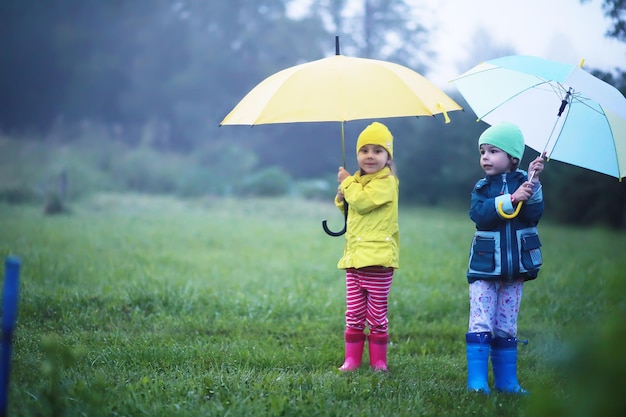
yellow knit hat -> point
(376, 134)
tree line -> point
(165, 72)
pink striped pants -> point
(367, 295)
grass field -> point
(150, 306)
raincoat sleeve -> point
(340, 205)
(365, 198)
(482, 210)
(532, 210)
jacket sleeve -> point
(340, 205)
(376, 193)
(532, 211)
(483, 210)
(484, 213)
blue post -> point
(9, 315)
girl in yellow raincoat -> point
(372, 245)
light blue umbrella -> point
(561, 109)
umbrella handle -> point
(512, 215)
(345, 224)
(519, 205)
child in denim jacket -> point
(505, 252)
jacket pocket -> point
(483, 254)
(373, 251)
(531, 251)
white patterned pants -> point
(494, 306)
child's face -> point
(372, 158)
(494, 160)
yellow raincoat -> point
(372, 235)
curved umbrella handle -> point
(330, 232)
(512, 215)
(519, 205)
(345, 224)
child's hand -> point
(342, 175)
(340, 196)
(523, 193)
(537, 166)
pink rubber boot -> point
(355, 339)
(378, 351)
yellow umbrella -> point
(340, 89)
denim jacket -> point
(504, 249)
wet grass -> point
(150, 306)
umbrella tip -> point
(337, 45)
(446, 118)
(581, 63)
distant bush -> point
(316, 189)
(146, 170)
(196, 181)
(55, 204)
(92, 162)
(270, 182)
(22, 171)
(19, 195)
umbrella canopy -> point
(561, 109)
(340, 88)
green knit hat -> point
(376, 134)
(505, 136)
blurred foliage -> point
(175, 65)
(268, 182)
(129, 94)
(616, 11)
(594, 368)
(58, 173)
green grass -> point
(149, 306)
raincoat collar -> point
(365, 178)
(517, 174)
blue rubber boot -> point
(477, 349)
(504, 362)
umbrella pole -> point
(564, 103)
(343, 147)
(345, 203)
